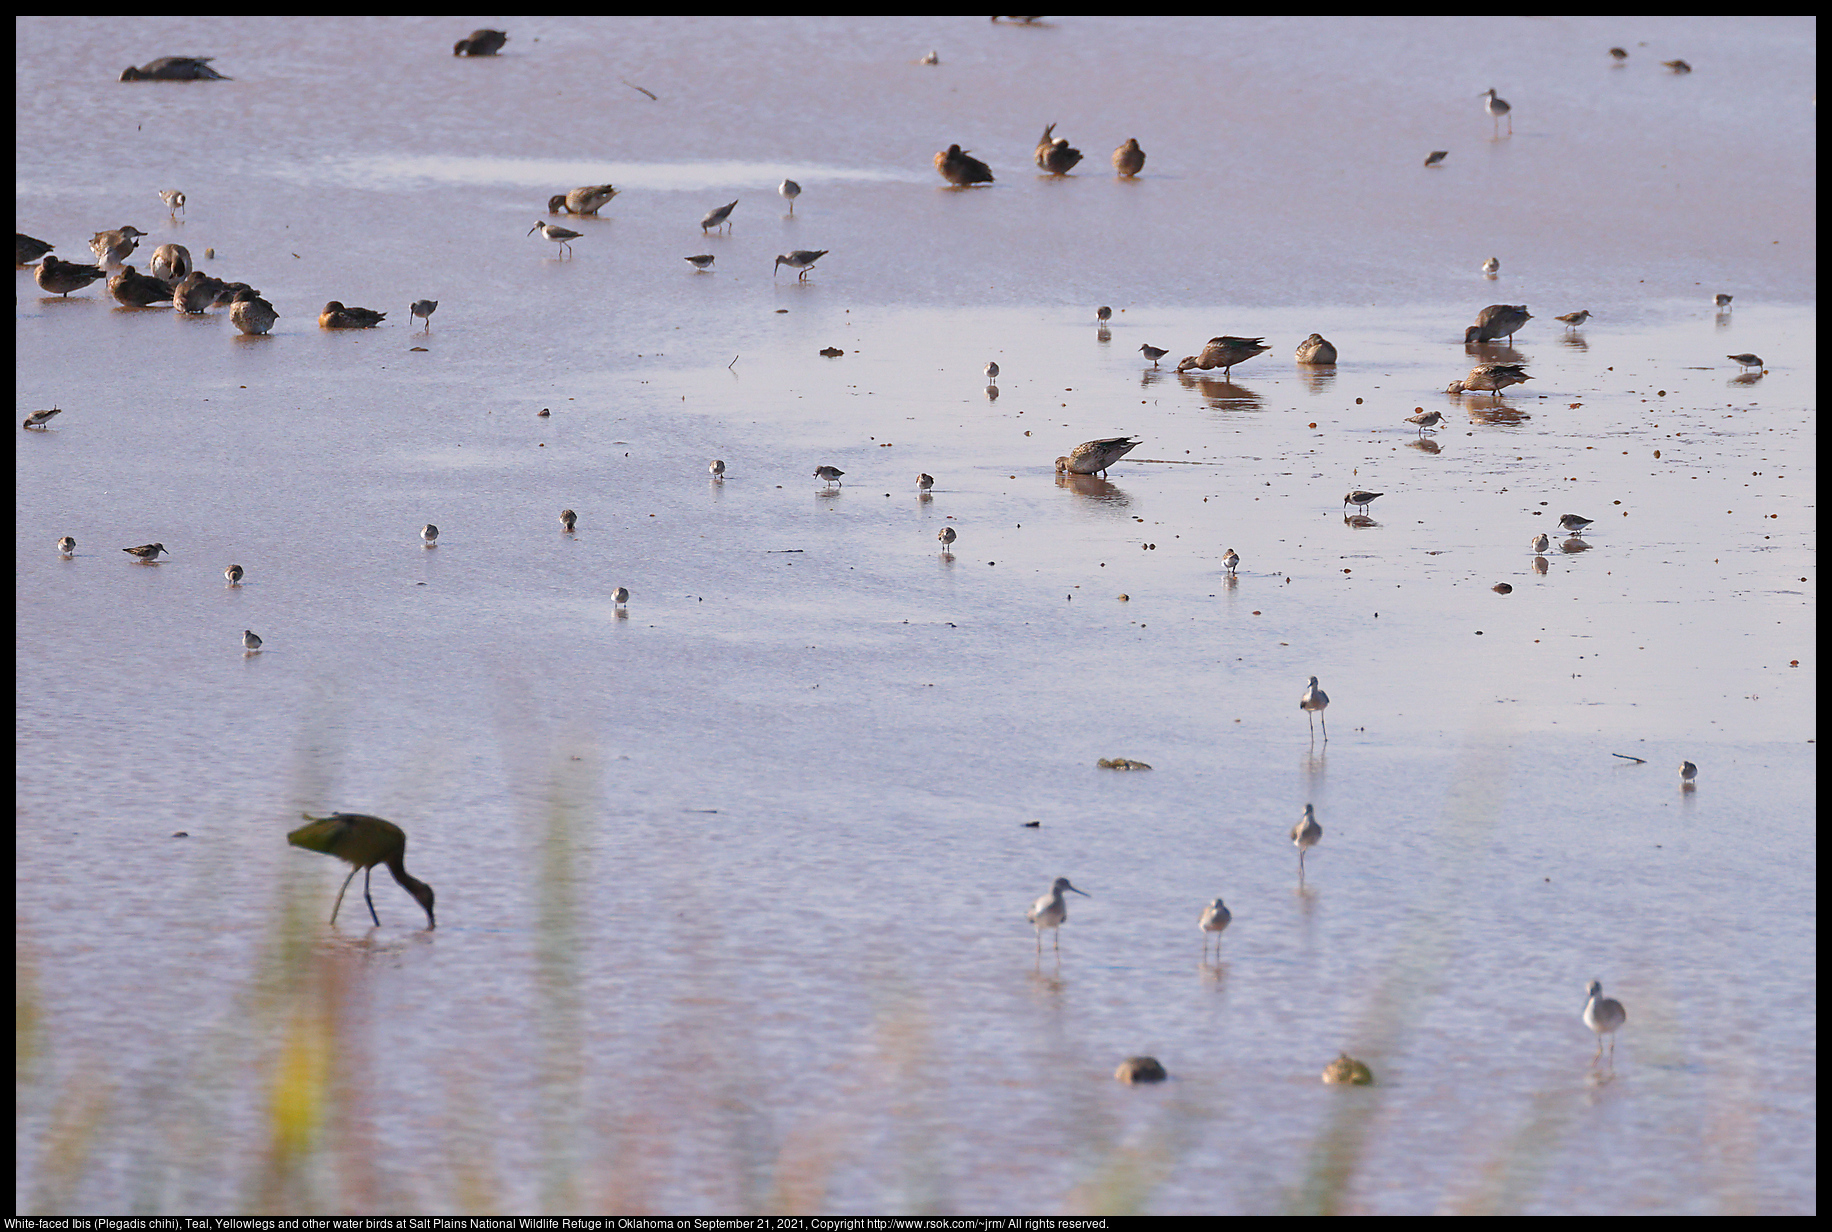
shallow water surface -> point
(731, 881)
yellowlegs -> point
(1316, 349)
(701, 262)
(67, 545)
(1498, 107)
(1361, 500)
(1574, 320)
(1747, 360)
(959, 167)
(27, 250)
(336, 316)
(559, 235)
(1497, 321)
(924, 482)
(1492, 265)
(234, 574)
(829, 474)
(114, 247)
(789, 190)
(1154, 354)
(480, 43)
(1603, 1015)
(1051, 912)
(63, 277)
(716, 468)
(620, 596)
(1054, 154)
(947, 537)
(802, 259)
(1435, 157)
(1427, 421)
(251, 641)
(568, 520)
(424, 309)
(146, 551)
(1094, 457)
(1687, 771)
(1313, 702)
(429, 534)
(587, 200)
(1103, 314)
(1306, 833)
(173, 198)
(992, 371)
(1230, 560)
(175, 68)
(171, 263)
(363, 842)
(1214, 918)
(720, 217)
(1489, 378)
(38, 419)
(1129, 159)
(1541, 543)
(251, 314)
(1575, 524)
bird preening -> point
(362, 842)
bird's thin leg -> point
(340, 894)
(367, 899)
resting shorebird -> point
(1054, 154)
(1498, 107)
(1687, 770)
(716, 468)
(720, 217)
(336, 316)
(947, 537)
(137, 290)
(1154, 354)
(429, 534)
(559, 235)
(1723, 302)
(1617, 54)
(568, 520)
(63, 277)
(802, 259)
(1103, 314)
(1316, 349)
(1492, 265)
(992, 371)
(789, 190)
(1572, 320)
(197, 291)
(924, 482)
(114, 247)
(175, 68)
(1094, 457)
(1497, 321)
(38, 419)
(620, 596)
(171, 264)
(1540, 543)
(1489, 378)
(960, 168)
(1678, 66)
(146, 551)
(424, 309)
(67, 545)
(1129, 159)
(251, 314)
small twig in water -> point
(728, 366)
(1639, 761)
(639, 89)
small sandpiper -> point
(716, 468)
(1573, 320)
(559, 235)
(789, 190)
(947, 537)
(1306, 833)
(1212, 921)
(146, 551)
(1603, 1015)
(829, 474)
(1687, 771)
(701, 262)
(429, 534)
(961, 169)
(802, 259)
(1498, 107)
(1723, 302)
(1154, 354)
(1361, 500)
(251, 640)
(1541, 543)
(1094, 457)
(1316, 349)
(720, 217)
(173, 198)
(568, 520)
(1427, 421)
(424, 309)
(1489, 378)
(620, 596)
(1492, 266)
(1574, 524)
(924, 482)
(1129, 159)
(38, 419)
(234, 574)
(1230, 560)
(992, 371)
(1747, 360)
(1103, 314)
(67, 545)
(1435, 157)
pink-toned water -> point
(781, 945)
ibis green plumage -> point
(363, 842)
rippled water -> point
(731, 883)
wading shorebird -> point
(1747, 360)
(1094, 457)
(1129, 159)
(620, 597)
(336, 316)
(1540, 543)
(1618, 54)
(480, 43)
(67, 545)
(1498, 107)
(1492, 265)
(960, 168)
(1051, 912)
(1603, 1015)
(1054, 154)
(1575, 524)
(568, 520)
(789, 190)
(1154, 354)
(1305, 835)
(234, 574)
(1316, 349)
(720, 217)
(802, 259)
(1497, 321)
(1102, 315)
(829, 474)
(63, 277)
(1687, 771)
(1723, 302)
(1427, 421)
(38, 419)
(175, 68)
(363, 842)
(559, 235)
(251, 641)
(251, 314)
(1230, 560)
(1361, 500)
(716, 468)
(924, 482)
(992, 371)
(947, 537)
(1212, 921)
(1489, 378)
(1573, 320)
(1313, 702)
(424, 309)
(196, 292)
(173, 198)
(146, 551)
(429, 534)
(701, 262)
(1435, 157)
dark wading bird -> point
(363, 842)
(1496, 321)
(175, 68)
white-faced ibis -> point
(363, 842)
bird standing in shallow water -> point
(1489, 378)
(720, 217)
(789, 190)
(1492, 265)
(1226, 351)
(802, 259)
(1747, 359)
(146, 551)
(1051, 912)
(1129, 159)
(1678, 66)
(1572, 320)
(1687, 771)
(62, 277)
(568, 520)
(27, 250)
(363, 842)
(67, 546)
(424, 309)
(1214, 919)
(114, 247)
(1498, 107)
(924, 482)
(1230, 560)
(716, 468)
(336, 316)
(1103, 314)
(1054, 154)
(1603, 1015)
(619, 597)
(1723, 302)
(1430, 419)
(1361, 500)
(173, 198)
(947, 537)
(702, 262)
(1316, 349)
(559, 235)
(992, 371)
(1497, 321)
(1540, 543)
(234, 574)
(251, 314)
(829, 474)
(1094, 457)
(429, 534)
(960, 168)
(586, 201)
(1154, 354)
(251, 641)
(1313, 702)
(38, 419)
(480, 43)
(1306, 833)
(1575, 524)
